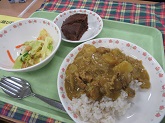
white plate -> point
(26, 30)
(95, 24)
(149, 106)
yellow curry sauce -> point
(99, 72)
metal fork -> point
(20, 88)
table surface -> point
(15, 9)
(25, 10)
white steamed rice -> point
(105, 111)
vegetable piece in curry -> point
(99, 72)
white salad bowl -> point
(95, 24)
(20, 32)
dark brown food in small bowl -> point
(75, 26)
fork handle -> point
(51, 102)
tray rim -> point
(39, 111)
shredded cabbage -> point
(35, 51)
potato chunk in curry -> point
(99, 72)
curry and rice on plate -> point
(101, 81)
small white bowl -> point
(95, 24)
(22, 31)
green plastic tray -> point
(44, 81)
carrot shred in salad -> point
(18, 46)
(10, 57)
